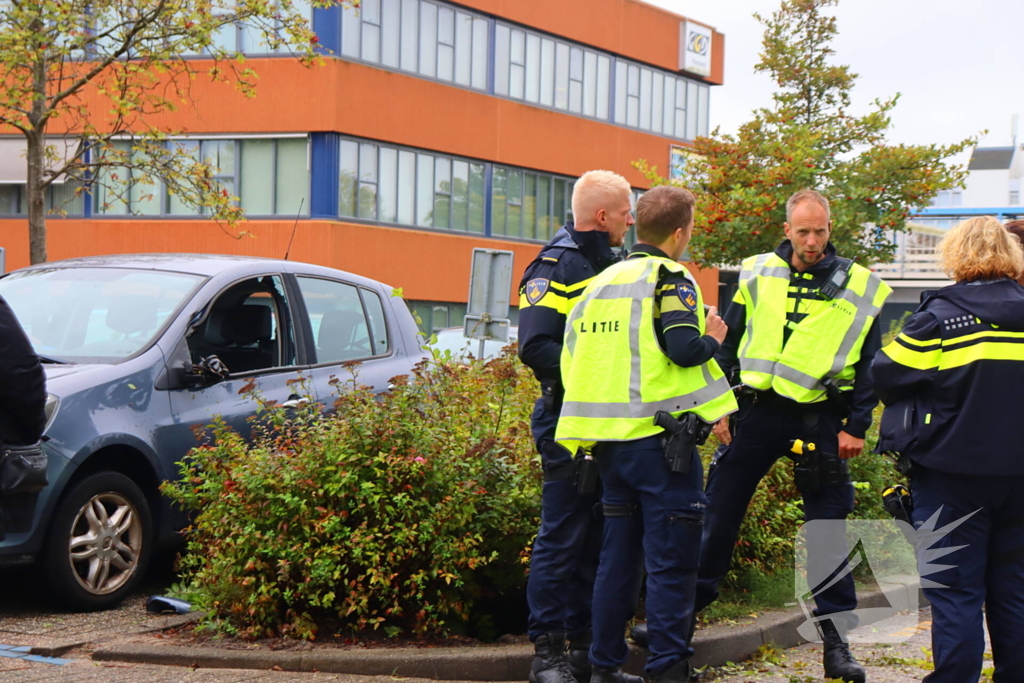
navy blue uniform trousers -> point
(663, 532)
(764, 430)
(987, 571)
(560, 587)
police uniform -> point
(785, 339)
(22, 409)
(619, 369)
(957, 369)
(564, 559)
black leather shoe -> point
(680, 672)
(839, 662)
(638, 634)
(601, 675)
(579, 657)
(549, 663)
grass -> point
(760, 592)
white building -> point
(994, 187)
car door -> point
(249, 328)
(351, 334)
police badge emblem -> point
(536, 289)
(688, 295)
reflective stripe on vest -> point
(825, 344)
(615, 374)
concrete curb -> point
(714, 646)
(162, 624)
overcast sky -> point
(959, 65)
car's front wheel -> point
(99, 543)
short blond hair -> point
(981, 249)
(593, 191)
(806, 195)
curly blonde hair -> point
(981, 249)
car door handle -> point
(295, 402)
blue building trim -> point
(999, 212)
(87, 195)
(324, 174)
(327, 26)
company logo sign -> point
(889, 554)
(695, 44)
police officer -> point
(638, 342)
(803, 330)
(22, 394)
(958, 366)
(564, 558)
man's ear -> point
(601, 216)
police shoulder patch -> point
(536, 289)
(688, 295)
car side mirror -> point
(209, 370)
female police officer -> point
(956, 368)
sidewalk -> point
(714, 646)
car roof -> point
(207, 265)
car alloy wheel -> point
(99, 543)
(106, 543)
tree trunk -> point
(35, 193)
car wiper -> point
(49, 359)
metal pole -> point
(487, 297)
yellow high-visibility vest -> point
(825, 344)
(616, 375)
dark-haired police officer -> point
(640, 382)
(22, 400)
(803, 331)
(564, 559)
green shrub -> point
(397, 513)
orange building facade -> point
(431, 129)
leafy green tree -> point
(809, 138)
(80, 75)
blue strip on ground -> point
(22, 652)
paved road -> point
(24, 623)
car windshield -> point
(94, 315)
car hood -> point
(55, 371)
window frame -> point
(312, 360)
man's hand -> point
(714, 326)
(849, 446)
(721, 431)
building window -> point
(427, 38)
(1014, 197)
(437, 315)
(948, 198)
(250, 39)
(552, 73)
(269, 176)
(61, 199)
(660, 102)
(406, 187)
(529, 205)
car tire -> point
(99, 543)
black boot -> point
(638, 634)
(579, 656)
(602, 675)
(549, 662)
(680, 672)
(839, 662)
